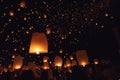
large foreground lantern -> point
(82, 58)
(58, 61)
(39, 43)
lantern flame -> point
(83, 64)
(17, 67)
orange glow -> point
(13, 56)
(17, 67)
(45, 16)
(11, 13)
(82, 57)
(48, 30)
(18, 62)
(38, 44)
(61, 51)
(45, 59)
(96, 61)
(68, 64)
(106, 14)
(71, 58)
(58, 61)
(22, 4)
(83, 64)
(46, 65)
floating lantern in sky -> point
(68, 63)
(39, 43)
(22, 4)
(48, 30)
(45, 59)
(46, 65)
(96, 61)
(11, 13)
(18, 62)
(61, 51)
(58, 61)
(82, 58)
(13, 56)
(71, 58)
(63, 36)
(106, 14)
(45, 16)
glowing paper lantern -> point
(11, 13)
(46, 65)
(39, 43)
(61, 51)
(82, 58)
(45, 16)
(71, 58)
(96, 61)
(22, 4)
(63, 36)
(18, 62)
(58, 61)
(45, 59)
(68, 63)
(48, 30)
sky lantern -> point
(39, 43)
(71, 58)
(22, 4)
(68, 63)
(58, 61)
(96, 61)
(82, 58)
(45, 59)
(48, 30)
(18, 62)
(46, 65)
(61, 51)
(11, 13)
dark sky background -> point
(74, 25)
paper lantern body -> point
(39, 43)
(48, 30)
(46, 65)
(58, 61)
(18, 62)
(96, 61)
(68, 63)
(22, 4)
(74, 63)
(82, 57)
(45, 59)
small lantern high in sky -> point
(82, 58)
(39, 43)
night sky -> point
(73, 25)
